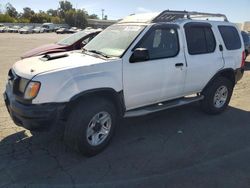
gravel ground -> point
(181, 147)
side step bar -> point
(162, 106)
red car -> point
(73, 42)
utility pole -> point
(103, 14)
(75, 15)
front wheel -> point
(217, 96)
(91, 126)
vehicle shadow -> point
(247, 66)
(163, 145)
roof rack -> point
(170, 15)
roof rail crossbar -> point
(170, 15)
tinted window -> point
(200, 40)
(230, 37)
(161, 43)
(210, 40)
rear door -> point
(233, 46)
(203, 54)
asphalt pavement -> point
(177, 148)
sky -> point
(236, 10)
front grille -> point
(17, 85)
(14, 80)
(11, 75)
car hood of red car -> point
(43, 50)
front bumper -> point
(33, 117)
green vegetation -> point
(6, 18)
(66, 13)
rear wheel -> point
(91, 126)
(217, 96)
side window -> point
(230, 37)
(200, 40)
(86, 41)
(161, 43)
(211, 44)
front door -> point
(162, 76)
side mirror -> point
(139, 55)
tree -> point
(23, 20)
(93, 16)
(27, 13)
(11, 11)
(76, 18)
(64, 14)
(81, 19)
(5, 18)
(64, 6)
(56, 20)
(52, 12)
(40, 17)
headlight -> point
(22, 84)
(32, 90)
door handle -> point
(221, 47)
(179, 65)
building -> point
(239, 25)
(246, 26)
(95, 23)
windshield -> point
(73, 38)
(45, 26)
(114, 40)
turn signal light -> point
(32, 90)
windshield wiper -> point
(84, 49)
(99, 53)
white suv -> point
(143, 64)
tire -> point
(214, 103)
(79, 124)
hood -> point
(30, 67)
(41, 50)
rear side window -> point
(230, 37)
(200, 40)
